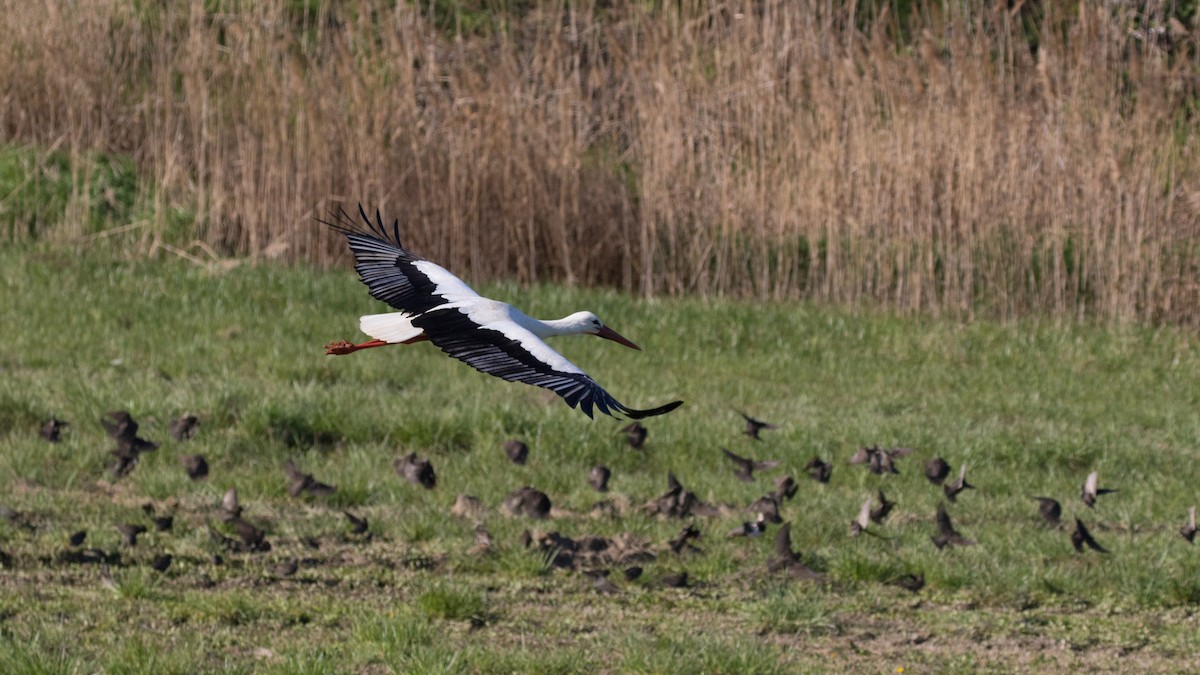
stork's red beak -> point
(610, 334)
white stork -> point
(490, 336)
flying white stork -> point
(490, 336)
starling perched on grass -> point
(751, 528)
(185, 427)
(52, 429)
(516, 450)
(286, 568)
(358, 524)
(129, 533)
(161, 562)
(1188, 531)
(230, 508)
(76, 539)
(598, 478)
(785, 488)
(416, 470)
(195, 466)
(936, 470)
(527, 501)
(683, 539)
(635, 434)
(299, 482)
(745, 467)
(910, 582)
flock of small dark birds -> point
(592, 555)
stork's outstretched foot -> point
(345, 347)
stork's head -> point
(590, 323)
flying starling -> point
(1080, 537)
(885, 507)
(784, 559)
(683, 539)
(1089, 492)
(953, 488)
(862, 520)
(936, 470)
(750, 528)
(753, 426)
(785, 488)
(516, 450)
(1051, 510)
(819, 470)
(947, 535)
(745, 467)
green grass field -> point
(1030, 408)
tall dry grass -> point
(772, 149)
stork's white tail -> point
(393, 327)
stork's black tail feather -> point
(643, 414)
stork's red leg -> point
(344, 347)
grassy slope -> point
(1031, 409)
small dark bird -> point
(1188, 531)
(683, 539)
(936, 470)
(885, 507)
(358, 525)
(230, 508)
(679, 580)
(1051, 510)
(76, 539)
(516, 450)
(130, 532)
(252, 538)
(786, 559)
(298, 482)
(766, 506)
(947, 535)
(862, 520)
(286, 568)
(527, 501)
(677, 502)
(745, 467)
(123, 429)
(603, 584)
(953, 488)
(467, 506)
(163, 523)
(879, 460)
(195, 466)
(785, 488)
(752, 528)
(598, 478)
(1080, 537)
(483, 542)
(416, 470)
(185, 427)
(632, 573)
(753, 426)
(51, 430)
(1089, 492)
(635, 433)
(162, 562)
(819, 470)
(910, 582)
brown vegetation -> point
(1002, 161)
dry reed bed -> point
(777, 153)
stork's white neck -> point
(575, 324)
